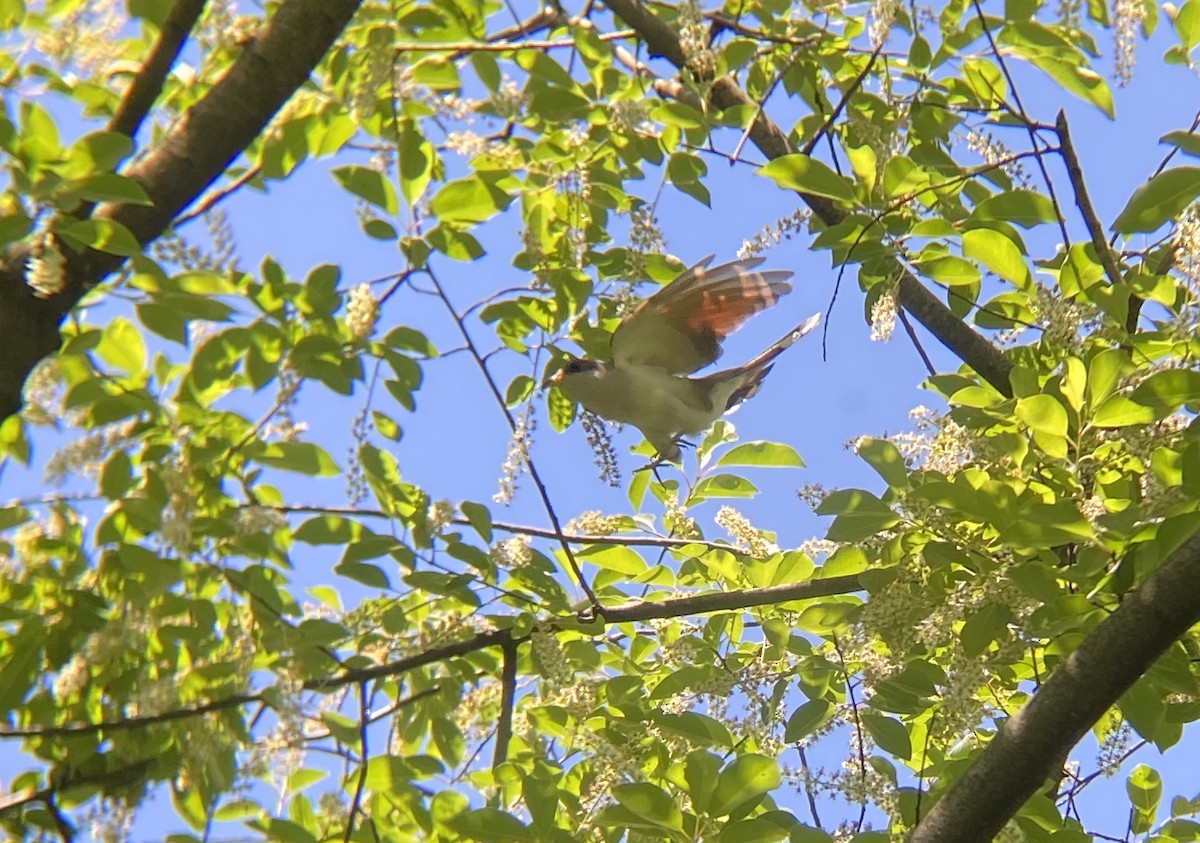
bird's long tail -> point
(749, 376)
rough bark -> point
(1029, 747)
(193, 154)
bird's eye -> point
(575, 367)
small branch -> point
(837, 111)
(715, 601)
(508, 699)
(533, 472)
(858, 733)
(912, 335)
(1075, 173)
(146, 86)
(808, 788)
(211, 198)
(467, 47)
(128, 723)
(760, 35)
(1025, 119)
(27, 796)
(364, 721)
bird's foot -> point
(668, 457)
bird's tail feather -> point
(749, 376)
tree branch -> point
(1029, 747)
(508, 701)
(1084, 202)
(715, 601)
(972, 348)
(192, 154)
(146, 86)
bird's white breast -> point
(648, 398)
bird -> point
(670, 335)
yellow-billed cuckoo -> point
(672, 334)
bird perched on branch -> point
(673, 333)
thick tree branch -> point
(1030, 746)
(196, 150)
(143, 91)
(972, 348)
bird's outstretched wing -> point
(680, 328)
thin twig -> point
(533, 472)
(468, 47)
(808, 789)
(837, 111)
(364, 720)
(1075, 174)
(206, 203)
(858, 732)
(1024, 118)
(912, 335)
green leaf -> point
(747, 777)
(1168, 390)
(1159, 200)
(798, 171)
(559, 104)
(121, 346)
(696, 727)
(470, 200)
(369, 185)
(1188, 142)
(859, 515)
(889, 734)
(415, 164)
(886, 459)
(488, 824)
(950, 270)
(1083, 82)
(1022, 207)
(651, 803)
(615, 557)
(300, 457)
(722, 486)
(1048, 420)
(700, 772)
(21, 664)
(480, 518)
(1119, 411)
(519, 389)
(103, 235)
(998, 253)
(754, 830)
(1105, 371)
(1144, 788)
(110, 187)
(1187, 24)
(763, 454)
(807, 719)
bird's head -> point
(568, 369)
